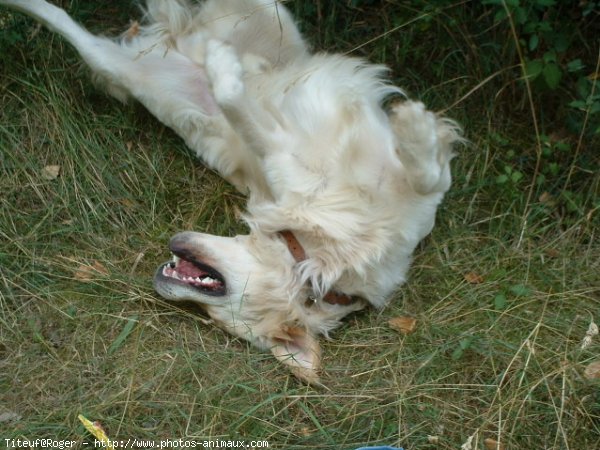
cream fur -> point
(305, 137)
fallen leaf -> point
(305, 431)
(473, 278)
(592, 371)
(50, 172)
(403, 324)
(85, 272)
(492, 444)
(127, 203)
(547, 199)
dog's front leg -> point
(226, 74)
(424, 146)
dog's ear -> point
(299, 350)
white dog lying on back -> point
(339, 191)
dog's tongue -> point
(187, 269)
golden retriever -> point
(339, 190)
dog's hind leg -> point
(424, 146)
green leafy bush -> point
(551, 36)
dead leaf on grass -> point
(50, 172)
(127, 203)
(473, 278)
(404, 324)
(306, 432)
(547, 199)
(87, 272)
(592, 371)
(493, 444)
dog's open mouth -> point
(195, 274)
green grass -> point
(500, 359)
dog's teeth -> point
(170, 270)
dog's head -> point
(249, 286)
(255, 287)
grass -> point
(82, 332)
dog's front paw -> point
(416, 130)
(224, 70)
(424, 145)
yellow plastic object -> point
(97, 431)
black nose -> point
(182, 244)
